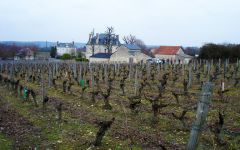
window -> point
(132, 53)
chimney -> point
(97, 38)
(90, 38)
(117, 39)
(73, 43)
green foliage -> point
(66, 57)
(4, 142)
(82, 59)
(53, 52)
(79, 54)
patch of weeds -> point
(5, 143)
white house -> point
(25, 54)
(174, 54)
(66, 48)
(129, 53)
(97, 51)
(123, 54)
(97, 44)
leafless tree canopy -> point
(141, 44)
(92, 44)
(108, 41)
(131, 39)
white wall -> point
(98, 49)
(64, 50)
(179, 56)
(165, 57)
(98, 60)
(141, 57)
(122, 55)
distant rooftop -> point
(167, 50)
(66, 45)
(132, 47)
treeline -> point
(222, 51)
(9, 51)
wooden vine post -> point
(12, 73)
(148, 70)
(202, 111)
(158, 69)
(190, 76)
(225, 69)
(1, 66)
(49, 75)
(42, 84)
(75, 70)
(80, 72)
(136, 81)
(105, 73)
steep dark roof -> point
(103, 38)
(101, 55)
(66, 45)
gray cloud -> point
(165, 22)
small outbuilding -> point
(25, 54)
(123, 54)
(129, 53)
(172, 54)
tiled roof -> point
(167, 50)
(102, 55)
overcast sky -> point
(156, 22)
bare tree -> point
(92, 45)
(108, 40)
(131, 39)
(141, 44)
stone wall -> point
(98, 49)
(121, 55)
(98, 60)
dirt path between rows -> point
(24, 134)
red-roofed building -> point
(174, 54)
